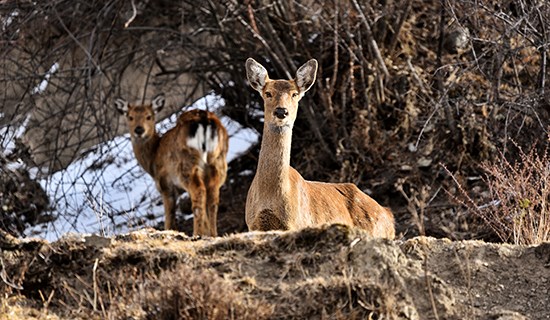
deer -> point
(279, 198)
(189, 157)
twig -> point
(94, 277)
(543, 51)
(264, 43)
(45, 301)
(439, 75)
(4, 276)
(279, 47)
(134, 14)
(336, 52)
(463, 264)
(412, 204)
(402, 18)
(251, 16)
(74, 38)
(429, 285)
(372, 42)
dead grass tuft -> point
(17, 307)
(184, 293)
(518, 210)
(339, 298)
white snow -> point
(9, 134)
(107, 192)
(44, 83)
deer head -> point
(281, 97)
(141, 118)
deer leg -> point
(212, 202)
(215, 175)
(169, 202)
(197, 191)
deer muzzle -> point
(280, 113)
(139, 131)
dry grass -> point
(519, 192)
(521, 211)
(17, 307)
(277, 276)
(343, 297)
(333, 272)
(138, 278)
(183, 293)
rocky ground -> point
(328, 273)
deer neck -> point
(274, 159)
(145, 151)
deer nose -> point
(139, 131)
(280, 113)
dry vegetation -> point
(327, 273)
(519, 211)
(404, 86)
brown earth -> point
(328, 273)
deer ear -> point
(305, 76)
(158, 102)
(256, 74)
(121, 106)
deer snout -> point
(280, 113)
(139, 131)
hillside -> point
(329, 273)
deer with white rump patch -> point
(279, 198)
(189, 157)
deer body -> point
(279, 198)
(189, 157)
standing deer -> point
(279, 198)
(189, 157)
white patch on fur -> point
(205, 141)
(211, 140)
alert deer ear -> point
(158, 102)
(305, 76)
(256, 74)
(121, 106)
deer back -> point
(346, 203)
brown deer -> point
(279, 198)
(189, 157)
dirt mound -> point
(330, 272)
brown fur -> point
(176, 167)
(279, 198)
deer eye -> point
(148, 117)
(268, 94)
(295, 94)
(130, 118)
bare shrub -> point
(22, 200)
(519, 194)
